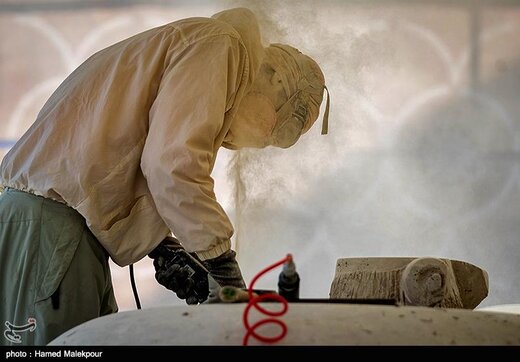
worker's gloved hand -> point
(225, 270)
(180, 271)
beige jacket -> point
(130, 138)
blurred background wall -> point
(422, 155)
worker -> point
(120, 158)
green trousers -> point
(54, 274)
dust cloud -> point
(416, 162)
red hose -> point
(253, 302)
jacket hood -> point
(246, 25)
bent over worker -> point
(120, 158)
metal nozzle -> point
(289, 268)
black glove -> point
(180, 271)
(225, 270)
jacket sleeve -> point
(185, 131)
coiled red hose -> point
(253, 302)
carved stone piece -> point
(429, 282)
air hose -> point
(253, 302)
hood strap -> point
(325, 121)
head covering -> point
(301, 76)
(246, 25)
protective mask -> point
(253, 123)
(291, 122)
